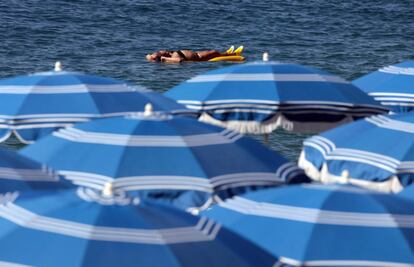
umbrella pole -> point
(266, 138)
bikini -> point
(181, 54)
(195, 57)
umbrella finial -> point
(58, 66)
(265, 56)
(148, 109)
(108, 190)
(345, 174)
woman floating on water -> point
(188, 55)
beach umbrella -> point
(393, 86)
(324, 225)
(83, 227)
(376, 152)
(170, 157)
(262, 96)
(20, 173)
(37, 104)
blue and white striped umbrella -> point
(177, 157)
(35, 105)
(324, 225)
(393, 86)
(262, 96)
(20, 173)
(377, 152)
(81, 227)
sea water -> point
(111, 38)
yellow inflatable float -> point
(234, 55)
(227, 58)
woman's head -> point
(157, 55)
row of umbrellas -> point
(116, 165)
(262, 96)
(250, 98)
(302, 225)
(295, 222)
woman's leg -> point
(207, 55)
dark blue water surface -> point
(111, 37)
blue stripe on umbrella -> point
(259, 97)
(317, 225)
(184, 159)
(376, 152)
(392, 86)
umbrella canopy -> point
(20, 173)
(262, 96)
(393, 86)
(35, 105)
(407, 192)
(324, 225)
(376, 152)
(81, 227)
(152, 151)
